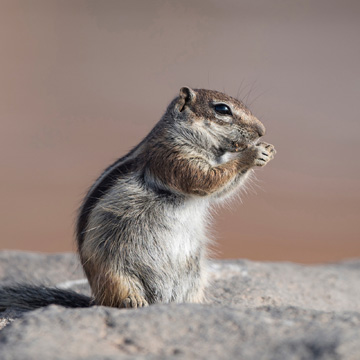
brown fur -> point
(193, 175)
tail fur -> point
(30, 297)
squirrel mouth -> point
(241, 146)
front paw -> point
(265, 153)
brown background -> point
(81, 82)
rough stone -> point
(256, 311)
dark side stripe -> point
(93, 196)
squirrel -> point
(141, 229)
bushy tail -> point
(30, 297)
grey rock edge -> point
(256, 311)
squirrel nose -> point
(260, 129)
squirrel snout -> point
(260, 129)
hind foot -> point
(134, 301)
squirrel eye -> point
(222, 109)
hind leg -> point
(120, 291)
(116, 290)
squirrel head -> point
(219, 116)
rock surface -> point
(256, 311)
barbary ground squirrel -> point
(141, 230)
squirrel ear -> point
(187, 96)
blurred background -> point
(81, 82)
